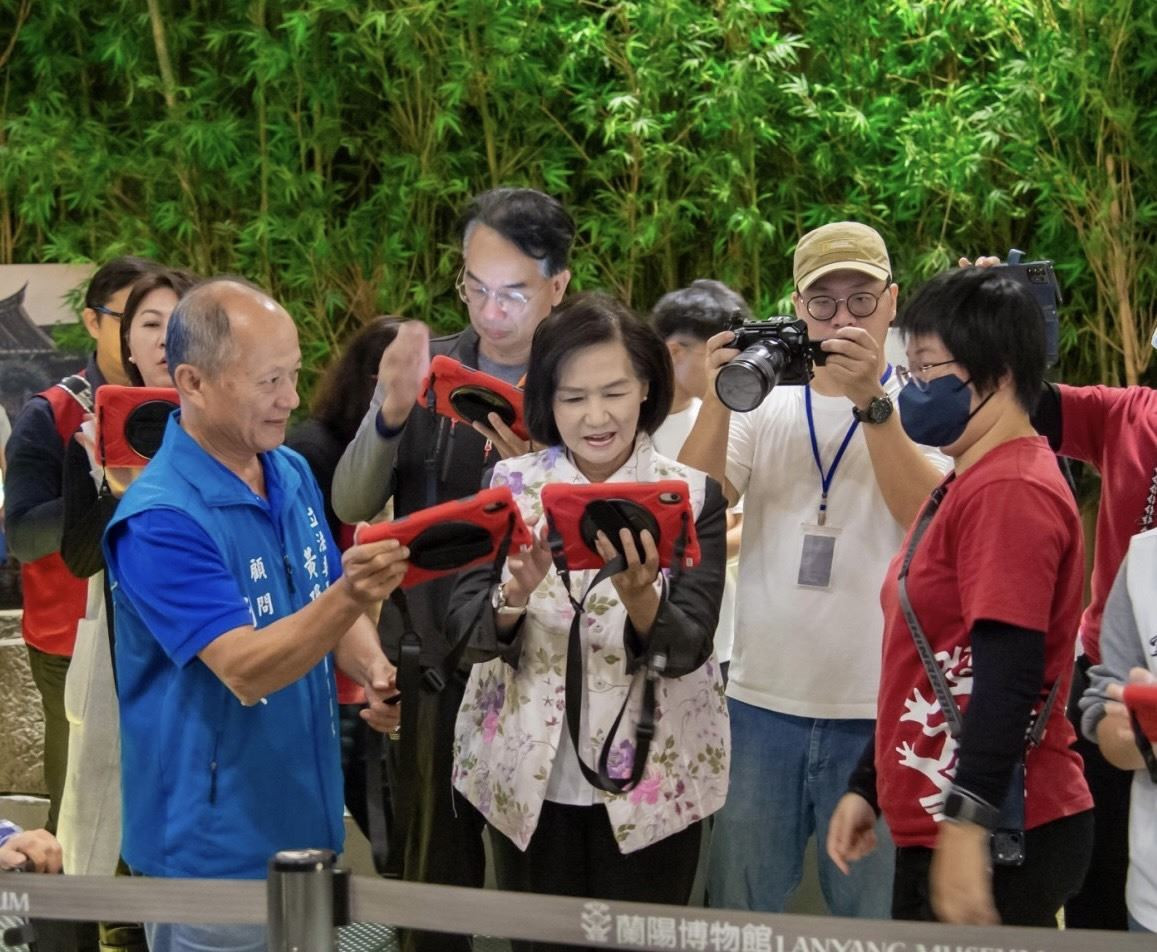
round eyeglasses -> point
(823, 307)
(917, 376)
(475, 294)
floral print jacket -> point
(511, 722)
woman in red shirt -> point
(992, 575)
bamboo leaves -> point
(324, 147)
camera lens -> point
(744, 383)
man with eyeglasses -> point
(515, 248)
(54, 599)
(830, 482)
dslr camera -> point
(775, 351)
(1040, 278)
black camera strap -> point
(388, 843)
(1036, 730)
(576, 670)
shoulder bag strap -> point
(1036, 730)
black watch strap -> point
(965, 807)
(877, 411)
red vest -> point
(54, 598)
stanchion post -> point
(301, 901)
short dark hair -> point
(344, 392)
(583, 320)
(700, 311)
(199, 332)
(990, 323)
(175, 280)
(114, 275)
(534, 222)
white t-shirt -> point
(671, 436)
(800, 650)
(668, 440)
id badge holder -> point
(817, 556)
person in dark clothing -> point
(339, 402)
(86, 511)
(515, 245)
(90, 814)
(34, 509)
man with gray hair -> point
(231, 604)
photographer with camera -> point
(830, 482)
(971, 763)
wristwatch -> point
(877, 411)
(501, 609)
(963, 807)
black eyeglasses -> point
(918, 374)
(101, 309)
(823, 307)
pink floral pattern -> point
(510, 725)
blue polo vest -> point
(211, 787)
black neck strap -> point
(576, 672)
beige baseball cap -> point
(839, 246)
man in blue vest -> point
(231, 604)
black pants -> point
(444, 836)
(49, 673)
(1056, 857)
(1100, 904)
(573, 853)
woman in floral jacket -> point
(599, 382)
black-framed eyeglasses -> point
(918, 375)
(101, 309)
(823, 307)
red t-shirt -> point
(1115, 430)
(1004, 546)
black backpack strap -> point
(439, 676)
(388, 843)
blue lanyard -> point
(826, 478)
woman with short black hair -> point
(981, 607)
(598, 384)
